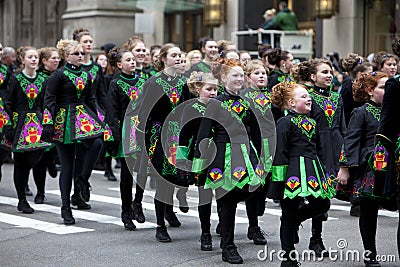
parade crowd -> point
(238, 128)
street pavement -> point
(99, 239)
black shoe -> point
(318, 247)
(28, 192)
(290, 263)
(172, 219)
(126, 217)
(206, 242)
(83, 187)
(372, 262)
(110, 176)
(231, 255)
(257, 235)
(51, 168)
(39, 198)
(138, 212)
(66, 214)
(183, 205)
(218, 230)
(23, 206)
(355, 210)
(162, 234)
(79, 203)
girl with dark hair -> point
(357, 148)
(70, 120)
(124, 91)
(209, 49)
(283, 62)
(327, 111)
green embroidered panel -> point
(132, 91)
(375, 111)
(3, 73)
(239, 107)
(200, 108)
(328, 104)
(174, 93)
(80, 81)
(93, 72)
(204, 67)
(172, 146)
(305, 124)
(261, 100)
(31, 90)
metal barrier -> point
(298, 43)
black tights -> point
(23, 163)
(125, 186)
(292, 216)
(68, 159)
(368, 223)
(228, 203)
(163, 199)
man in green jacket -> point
(286, 19)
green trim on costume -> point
(328, 104)
(279, 173)
(198, 165)
(305, 124)
(236, 105)
(3, 73)
(79, 81)
(375, 111)
(182, 152)
(67, 133)
(267, 160)
(94, 70)
(31, 90)
(226, 182)
(258, 98)
(303, 175)
(15, 119)
(200, 108)
(174, 93)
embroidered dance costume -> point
(327, 111)
(69, 106)
(124, 91)
(277, 76)
(70, 117)
(24, 101)
(298, 173)
(236, 167)
(5, 75)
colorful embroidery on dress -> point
(15, 119)
(305, 124)
(380, 157)
(132, 134)
(239, 172)
(375, 111)
(172, 142)
(313, 183)
(31, 90)
(132, 91)
(292, 183)
(59, 125)
(342, 157)
(397, 161)
(4, 118)
(216, 174)
(200, 108)
(261, 100)
(93, 72)
(155, 132)
(85, 125)
(47, 119)
(327, 104)
(174, 93)
(240, 107)
(107, 136)
(79, 81)
(31, 133)
(3, 73)
(259, 170)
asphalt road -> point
(99, 239)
